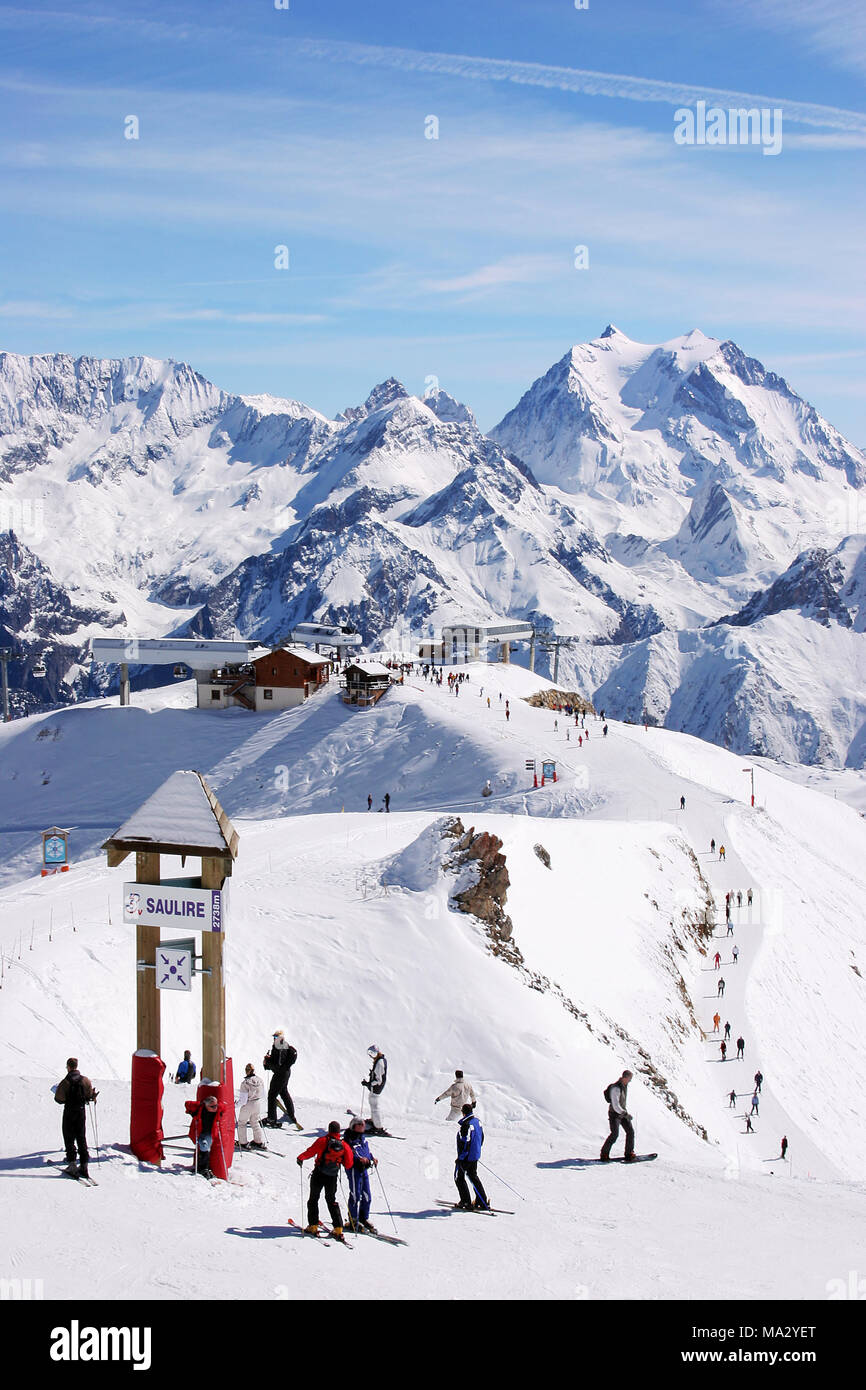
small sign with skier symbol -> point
(173, 968)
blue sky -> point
(453, 257)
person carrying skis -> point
(279, 1060)
(470, 1137)
(331, 1153)
(250, 1100)
(74, 1093)
(616, 1095)
(185, 1069)
(358, 1177)
(204, 1127)
(375, 1084)
(459, 1093)
(741, 1046)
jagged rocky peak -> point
(385, 394)
(447, 409)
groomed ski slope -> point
(340, 931)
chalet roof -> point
(369, 668)
(181, 817)
(299, 653)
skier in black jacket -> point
(74, 1093)
(280, 1060)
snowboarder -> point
(784, 1145)
(717, 959)
(616, 1096)
(375, 1084)
(732, 1100)
(735, 954)
(682, 803)
(252, 1093)
(723, 1048)
(369, 801)
(74, 1093)
(759, 1077)
(387, 800)
(721, 989)
(721, 851)
(331, 1153)
(206, 1119)
(185, 1070)
(741, 1047)
(459, 1093)
(360, 1196)
(280, 1060)
(470, 1137)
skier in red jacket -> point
(331, 1152)
(204, 1129)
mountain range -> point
(677, 511)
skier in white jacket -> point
(459, 1093)
(250, 1101)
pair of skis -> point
(79, 1178)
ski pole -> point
(385, 1195)
(502, 1180)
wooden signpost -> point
(182, 817)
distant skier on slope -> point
(741, 1047)
(375, 1084)
(369, 801)
(470, 1137)
(717, 959)
(755, 1104)
(721, 989)
(682, 803)
(732, 1100)
(721, 851)
(459, 1093)
(784, 1146)
(387, 800)
(717, 1018)
(723, 1048)
(727, 1031)
(616, 1095)
(712, 846)
(749, 897)
(74, 1093)
(735, 954)
(759, 1077)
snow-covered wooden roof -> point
(181, 817)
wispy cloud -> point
(579, 80)
(836, 29)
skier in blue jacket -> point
(470, 1137)
(358, 1177)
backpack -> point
(608, 1089)
(330, 1166)
(292, 1056)
(267, 1064)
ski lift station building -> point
(464, 640)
